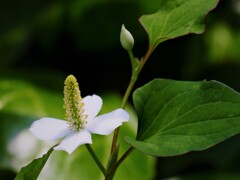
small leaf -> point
(32, 170)
(176, 117)
(176, 18)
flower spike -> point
(81, 120)
(73, 105)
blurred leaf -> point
(32, 170)
(20, 104)
(176, 117)
(222, 43)
(21, 98)
(176, 18)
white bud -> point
(126, 39)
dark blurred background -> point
(44, 41)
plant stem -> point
(145, 58)
(94, 156)
(112, 172)
(124, 101)
(124, 156)
(136, 69)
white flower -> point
(75, 132)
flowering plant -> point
(81, 120)
(174, 117)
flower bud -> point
(126, 39)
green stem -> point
(124, 102)
(112, 172)
(136, 69)
(134, 62)
(145, 58)
(94, 156)
(124, 156)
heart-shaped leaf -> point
(176, 117)
(176, 18)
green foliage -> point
(176, 117)
(176, 18)
(22, 98)
(222, 43)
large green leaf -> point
(176, 117)
(176, 18)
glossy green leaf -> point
(32, 170)
(176, 18)
(176, 117)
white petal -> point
(92, 106)
(73, 140)
(106, 123)
(49, 129)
